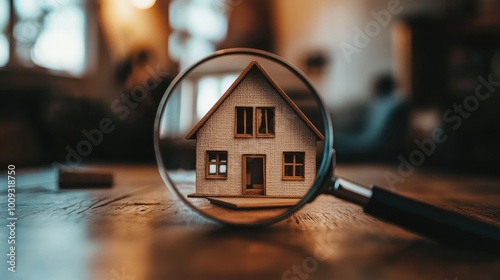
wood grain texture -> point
(138, 230)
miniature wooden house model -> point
(254, 141)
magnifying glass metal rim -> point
(324, 173)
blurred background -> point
(81, 80)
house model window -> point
(265, 122)
(244, 122)
(293, 165)
(216, 165)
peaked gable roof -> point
(241, 77)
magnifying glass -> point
(243, 138)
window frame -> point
(245, 122)
(218, 163)
(15, 62)
(294, 164)
(258, 121)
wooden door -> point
(254, 174)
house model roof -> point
(241, 77)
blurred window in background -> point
(4, 22)
(50, 34)
(197, 25)
(197, 97)
(210, 89)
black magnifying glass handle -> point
(427, 220)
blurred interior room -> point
(397, 76)
(412, 88)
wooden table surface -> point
(138, 230)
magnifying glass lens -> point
(240, 138)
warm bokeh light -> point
(143, 4)
(129, 30)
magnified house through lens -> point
(254, 143)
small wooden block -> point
(252, 203)
(84, 179)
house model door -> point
(254, 174)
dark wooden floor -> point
(138, 230)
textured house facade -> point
(255, 141)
